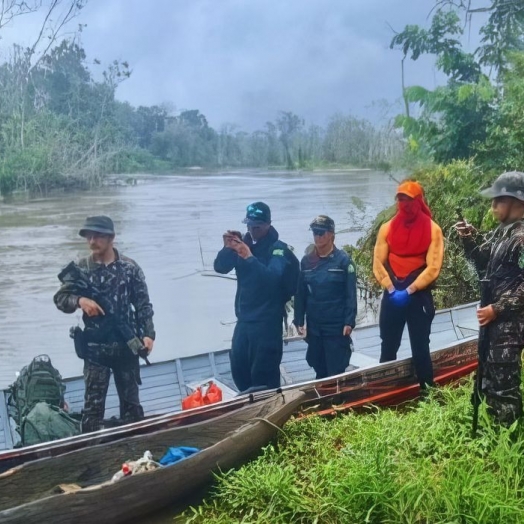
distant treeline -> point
(61, 126)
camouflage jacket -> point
(499, 258)
(123, 284)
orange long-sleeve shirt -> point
(434, 259)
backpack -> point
(46, 422)
(37, 382)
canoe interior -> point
(28, 493)
(30, 490)
(166, 383)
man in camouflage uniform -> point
(121, 283)
(499, 260)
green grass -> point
(418, 465)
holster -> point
(77, 334)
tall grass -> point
(415, 465)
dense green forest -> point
(62, 125)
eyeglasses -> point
(319, 232)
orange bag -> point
(196, 399)
(213, 394)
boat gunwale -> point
(52, 448)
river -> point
(172, 226)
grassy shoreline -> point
(417, 464)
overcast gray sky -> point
(241, 61)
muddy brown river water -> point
(172, 226)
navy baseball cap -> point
(257, 213)
(323, 222)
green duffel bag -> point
(45, 422)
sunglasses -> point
(319, 232)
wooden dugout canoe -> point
(28, 493)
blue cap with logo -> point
(257, 213)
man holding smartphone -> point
(265, 279)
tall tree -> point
(288, 125)
(453, 117)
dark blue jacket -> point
(327, 293)
(260, 278)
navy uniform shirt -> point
(259, 294)
(327, 293)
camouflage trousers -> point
(501, 377)
(97, 372)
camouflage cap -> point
(323, 222)
(98, 224)
(508, 184)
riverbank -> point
(71, 186)
(411, 465)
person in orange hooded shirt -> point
(407, 261)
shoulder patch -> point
(351, 268)
(521, 259)
(278, 252)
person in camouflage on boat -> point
(122, 288)
(499, 260)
